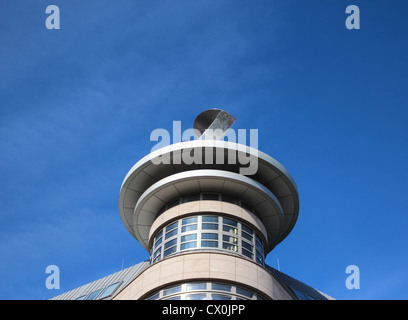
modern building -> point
(207, 226)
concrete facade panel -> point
(204, 266)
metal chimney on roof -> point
(213, 124)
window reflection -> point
(203, 232)
(205, 291)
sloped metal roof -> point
(296, 288)
(124, 277)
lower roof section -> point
(297, 289)
(122, 278)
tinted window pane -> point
(172, 226)
(229, 246)
(210, 219)
(244, 292)
(154, 297)
(171, 233)
(196, 286)
(196, 296)
(158, 241)
(246, 229)
(188, 245)
(301, 295)
(189, 220)
(209, 226)
(209, 244)
(159, 234)
(189, 237)
(247, 236)
(247, 253)
(170, 243)
(230, 229)
(215, 296)
(171, 290)
(213, 236)
(229, 239)
(246, 245)
(258, 239)
(93, 295)
(189, 228)
(259, 246)
(169, 251)
(173, 298)
(221, 287)
(230, 222)
(108, 291)
(158, 251)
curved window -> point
(208, 232)
(205, 291)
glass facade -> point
(207, 232)
(201, 290)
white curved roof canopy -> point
(270, 175)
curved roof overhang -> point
(214, 155)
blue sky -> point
(77, 106)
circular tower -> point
(208, 211)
